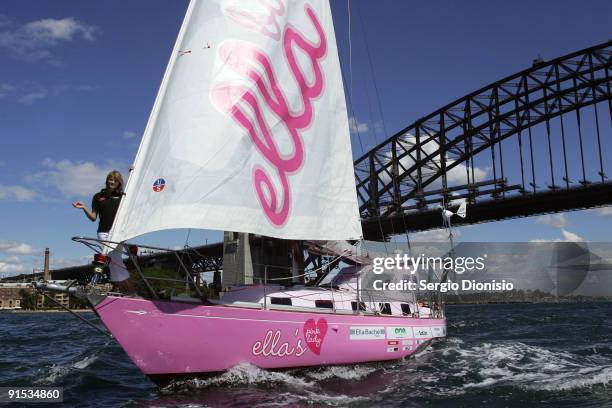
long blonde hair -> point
(117, 176)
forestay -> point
(249, 131)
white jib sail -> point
(249, 131)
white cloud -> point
(29, 92)
(11, 268)
(605, 211)
(457, 201)
(379, 128)
(570, 236)
(18, 248)
(567, 237)
(4, 20)
(12, 254)
(73, 178)
(11, 259)
(357, 127)
(31, 41)
(437, 235)
(554, 220)
(6, 89)
(32, 97)
(49, 30)
(128, 134)
(11, 264)
(22, 248)
(58, 263)
(16, 193)
(456, 175)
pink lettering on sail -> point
(242, 102)
(314, 333)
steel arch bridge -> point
(535, 142)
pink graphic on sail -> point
(263, 21)
(239, 100)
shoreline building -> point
(10, 295)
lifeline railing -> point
(131, 250)
(106, 246)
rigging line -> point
(382, 118)
(578, 121)
(371, 118)
(550, 153)
(601, 166)
(376, 140)
(375, 133)
(348, 6)
(528, 111)
(352, 109)
(365, 38)
(187, 238)
(309, 271)
(76, 315)
(566, 178)
(499, 132)
(520, 143)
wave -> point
(299, 385)
(241, 374)
(528, 367)
(341, 372)
(57, 372)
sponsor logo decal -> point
(159, 185)
(271, 345)
(392, 349)
(314, 333)
(422, 333)
(367, 333)
(438, 331)
(400, 333)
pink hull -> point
(170, 338)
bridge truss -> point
(534, 142)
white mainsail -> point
(249, 131)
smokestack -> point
(46, 275)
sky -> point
(78, 80)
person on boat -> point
(423, 310)
(104, 205)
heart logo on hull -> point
(314, 333)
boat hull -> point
(166, 339)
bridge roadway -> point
(525, 205)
